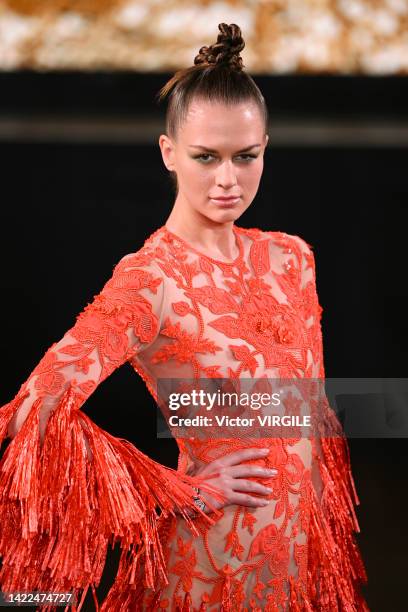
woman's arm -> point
(123, 319)
(333, 495)
(311, 308)
(67, 487)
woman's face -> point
(218, 152)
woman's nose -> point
(226, 176)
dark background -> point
(83, 184)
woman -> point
(203, 298)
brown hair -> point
(217, 76)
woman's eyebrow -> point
(214, 151)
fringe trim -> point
(60, 507)
(335, 566)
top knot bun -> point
(226, 50)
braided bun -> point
(226, 50)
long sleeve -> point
(332, 545)
(67, 487)
(122, 320)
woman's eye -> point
(205, 157)
(248, 156)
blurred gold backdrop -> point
(282, 36)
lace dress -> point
(65, 495)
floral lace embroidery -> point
(174, 312)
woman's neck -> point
(214, 238)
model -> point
(244, 523)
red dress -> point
(174, 312)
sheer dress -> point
(68, 488)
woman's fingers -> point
(250, 486)
(227, 472)
(240, 471)
(248, 500)
(242, 455)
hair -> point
(217, 75)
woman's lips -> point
(226, 201)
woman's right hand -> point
(230, 479)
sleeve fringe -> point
(335, 566)
(60, 507)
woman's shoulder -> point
(146, 254)
(282, 238)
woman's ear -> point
(167, 151)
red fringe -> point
(60, 509)
(335, 565)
